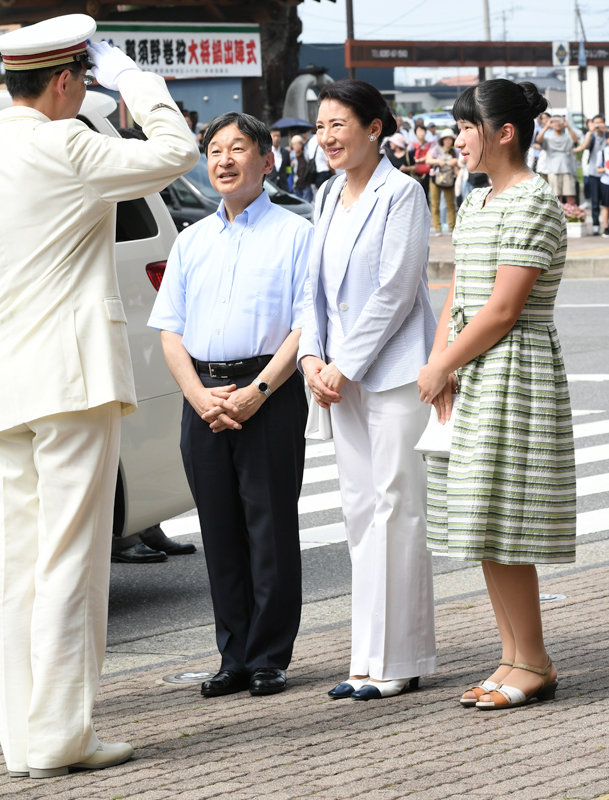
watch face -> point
(262, 386)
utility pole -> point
(350, 33)
(487, 38)
(487, 21)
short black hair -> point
(248, 125)
(598, 116)
(275, 128)
(29, 84)
(365, 100)
(492, 104)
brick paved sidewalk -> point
(423, 745)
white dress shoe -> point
(106, 755)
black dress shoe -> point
(224, 682)
(267, 680)
(155, 539)
(138, 554)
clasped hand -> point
(324, 380)
(436, 387)
(226, 407)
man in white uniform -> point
(66, 377)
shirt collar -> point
(252, 214)
(23, 112)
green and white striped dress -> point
(507, 493)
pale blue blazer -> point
(383, 300)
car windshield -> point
(199, 177)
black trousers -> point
(246, 486)
(595, 198)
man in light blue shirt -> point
(229, 311)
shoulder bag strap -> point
(324, 196)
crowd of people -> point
(255, 302)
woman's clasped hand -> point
(324, 380)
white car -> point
(151, 484)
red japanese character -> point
(205, 51)
(228, 52)
(217, 51)
(239, 51)
(251, 52)
(192, 49)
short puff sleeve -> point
(531, 231)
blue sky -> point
(525, 20)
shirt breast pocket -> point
(265, 292)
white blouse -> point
(330, 278)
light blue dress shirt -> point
(236, 291)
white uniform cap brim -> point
(51, 34)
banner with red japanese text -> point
(187, 50)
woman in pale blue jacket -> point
(368, 329)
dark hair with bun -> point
(366, 102)
(492, 104)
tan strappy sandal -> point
(511, 697)
(483, 688)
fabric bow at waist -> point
(460, 316)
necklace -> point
(342, 204)
(508, 180)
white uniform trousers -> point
(57, 485)
(383, 485)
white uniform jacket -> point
(63, 332)
(383, 300)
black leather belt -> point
(231, 369)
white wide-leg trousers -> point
(57, 485)
(383, 488)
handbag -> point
(437, 438)
(319, 424)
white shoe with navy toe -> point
(377, 690)
(346, 688)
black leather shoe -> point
(155, 539)
(224, 682)
(138, 554)
(267, 680)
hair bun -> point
(537, 102)
(390, 126)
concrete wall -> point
(590, 87)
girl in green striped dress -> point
(506, 495)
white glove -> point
(110, 64)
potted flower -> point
(576, 221)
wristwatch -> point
(263, 387)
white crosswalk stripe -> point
(587, 521)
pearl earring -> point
(372, 137)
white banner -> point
(187, 50)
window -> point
(134, 220)
(185, 196)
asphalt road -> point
(159, 598)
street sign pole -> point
(582, 72)
(350, 34)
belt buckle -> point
(213, 373)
